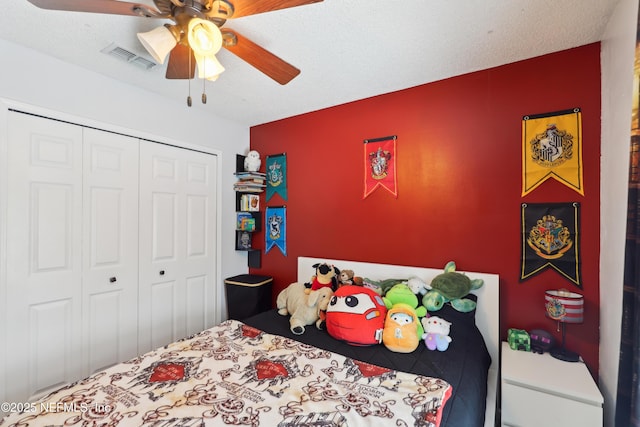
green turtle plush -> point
(451, 287)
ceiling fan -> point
(197, 25)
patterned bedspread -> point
(234, 374)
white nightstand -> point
(539, 390)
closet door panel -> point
(177, 240)
(110, 263)
(44, 271)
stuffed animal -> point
(252, 162)
(381, 286)
(326, 276)
(356, 315)
(347, 277)
(417, 285)
(402, 294)
(452, 287)
(305, 308)
(436, 333)
(400, 332)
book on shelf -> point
(245, 221)
(248, 175)
(249, 188)
(250, 202)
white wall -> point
(617, 56)
(46, 83)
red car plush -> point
(356, 315)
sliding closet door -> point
(177, 243)
(110, 249)
(44, 264)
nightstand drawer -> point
(523, 407)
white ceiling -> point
(346, 49)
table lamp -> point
(564, 307)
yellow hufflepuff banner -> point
(552, 148)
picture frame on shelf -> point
(243, 240)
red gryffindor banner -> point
(380, 165)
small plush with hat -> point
(400, 332)
(400, 293)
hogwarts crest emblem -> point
(549, 238)
(379, 163)
(275, 222)
(275, 174)
(552, 147)
(555, 309)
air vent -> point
(128, 56)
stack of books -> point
(250, 182)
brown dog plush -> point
(304, 305)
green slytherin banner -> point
(276, 169)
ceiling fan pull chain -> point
(189, 79)
(204, 87)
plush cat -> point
(436, 333)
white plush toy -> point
(306, 308)
(252, 162)
(417, 286)
(436, 333)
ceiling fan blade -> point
(99, 6)
(260, 58)
(253, 7)
(182, 63)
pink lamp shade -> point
(564, 307)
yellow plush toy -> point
(400, 333)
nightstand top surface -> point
(545, 373)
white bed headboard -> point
(487, 311)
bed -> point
(257, 373)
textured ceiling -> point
(346, 49)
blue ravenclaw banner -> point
(551, 238)
(552, 148)
(276, 232)
(276, 169)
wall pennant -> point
(276, 233)
(552, 148)
(551, 238)
(380, 165)
(276, 169)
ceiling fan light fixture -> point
(158, 42)
(204, 37)
(209, 67)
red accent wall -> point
(459, 182)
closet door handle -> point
(162, 272)
(112, 279)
